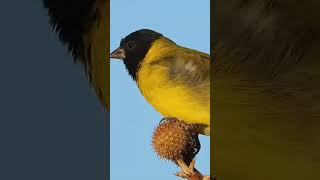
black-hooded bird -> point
(175, 80)
(83, 25)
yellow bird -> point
(175, 80)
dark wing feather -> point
(266, 35)
(74, 21)
(187, 66)
(266, 89)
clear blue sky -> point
(132, 118)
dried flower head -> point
(173, 139)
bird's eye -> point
(131, 45)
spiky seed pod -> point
(173, 139)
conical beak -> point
(119, 53)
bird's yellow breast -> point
(171, 98)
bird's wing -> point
(86, 34)
(266, 88)
(187, 66)
(190, 69)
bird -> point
(174, 79)
(83, 26)
(265, 92)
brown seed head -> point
(173, 139)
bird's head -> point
(134, 47)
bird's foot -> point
(189, 172)
(186, 171)
(166, 119)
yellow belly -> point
(174, 100)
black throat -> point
(133, 65)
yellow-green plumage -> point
(176, 82)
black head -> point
(133, 49)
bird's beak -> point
(119, 53)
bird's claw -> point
(166, 119)
(188, 172)
(162, 120)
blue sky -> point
(132, 118)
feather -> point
(82, 26)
